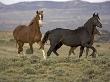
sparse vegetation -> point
(32, 67)
(97, 45)
(28, 51)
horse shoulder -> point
(18, 30)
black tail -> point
(45, 38)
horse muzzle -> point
(100, 26)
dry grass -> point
(32, 67)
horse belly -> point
(24, 37)
(71, 41)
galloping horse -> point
(96, 32)
(29, 34)
(82, 36)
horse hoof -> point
(93, 56)
(18, 55)
(79, 56)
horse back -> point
(70, 37)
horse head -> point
(39, 17)
(96, 20)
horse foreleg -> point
(31, 47)
(81, 51)
(94, 50)
(71, 51)
(49, 51)
(87, 51)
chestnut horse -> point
(29, 34)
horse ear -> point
(93, 14)
(41, 11)
(97, 14)
(37, 12)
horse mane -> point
(88, 22)
(31, 22)
(89, 27)
(85, 25)
(79, 28)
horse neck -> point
(89, 27)
(35, 26)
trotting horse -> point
(96, 32)
(81, 36)
(29, 34)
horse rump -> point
(44, 40)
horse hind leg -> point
(20, 47)
(94, 50)
(52, 48)
(70, 52)
(42, 48)
(31, 47)
(87, 51)
(56, 48)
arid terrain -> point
(32, 67)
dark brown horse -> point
(81, 36)
(96, 32)
(29, 34)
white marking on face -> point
(44, 55)
(40, 17)
(40, 21)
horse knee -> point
(20, 50)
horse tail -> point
(44, 40)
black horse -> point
(87, 49)
(82, 36)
